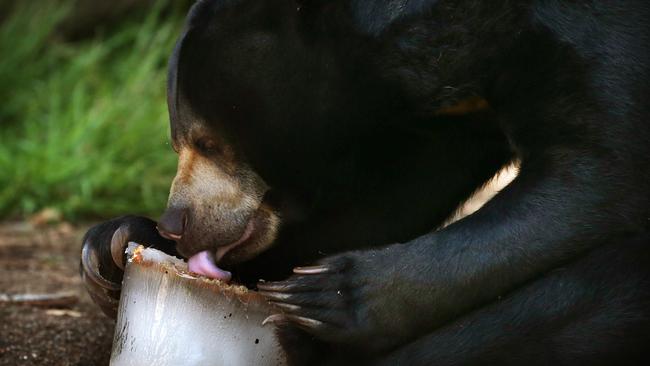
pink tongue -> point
(202, 264)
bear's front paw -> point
(343, 299)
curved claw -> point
(303, 322)
(90, 266)
(275, 319)
(101, 296)
(276, 286)
(278, 296)
(119, 241)
(306, 322)
(314, 300)
(285, 306)
(312, 269)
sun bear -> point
(321, 146)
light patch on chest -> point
(500, 180)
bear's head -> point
(285, 135)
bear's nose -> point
(172, 223)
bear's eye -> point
(207, 146)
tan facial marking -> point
(199, 179)
(221, 199)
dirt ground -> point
(45, 261)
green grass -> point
(84, 126)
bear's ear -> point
(269, 13)
(321, 8)
(240, 13)
(323, 17)
(361, 16)
(315, 4)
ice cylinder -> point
(168, 316)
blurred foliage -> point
(84, 125)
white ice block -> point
(168, 316)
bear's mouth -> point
(205, 262)
(248, 231)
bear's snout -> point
(211, 204)
(172, 223)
